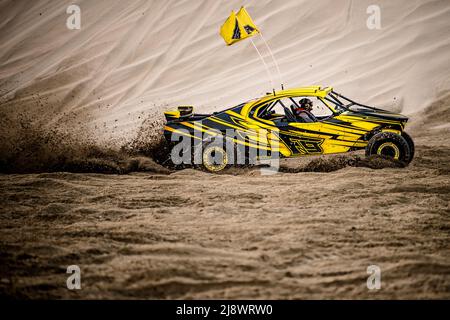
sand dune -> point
(132, 59)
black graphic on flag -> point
(236, 32)
(249, 29)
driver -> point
(303, 111)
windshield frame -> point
(350, 103)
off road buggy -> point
(267, 126)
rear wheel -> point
(214, 157)
(218, 154)
(389, 144)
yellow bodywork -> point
(344, 131)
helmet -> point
(306, 104)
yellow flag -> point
(238, 27)
(246, 21)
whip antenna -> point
(265, 64)
(274, 60)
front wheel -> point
(389, 144)
(410, 142)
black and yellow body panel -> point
(349, 127)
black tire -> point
(237, 155)
(213, 157)
(410, 142)
(391, 145)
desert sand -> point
(70, 98)
(195, 235)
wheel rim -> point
(389, 149)
(215, 158)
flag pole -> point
(263, 61)
(265, 65)
(273, 59)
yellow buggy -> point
(269, 125)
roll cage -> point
(336, 98)
(334, 101)
(268, 109)
(289, 113)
